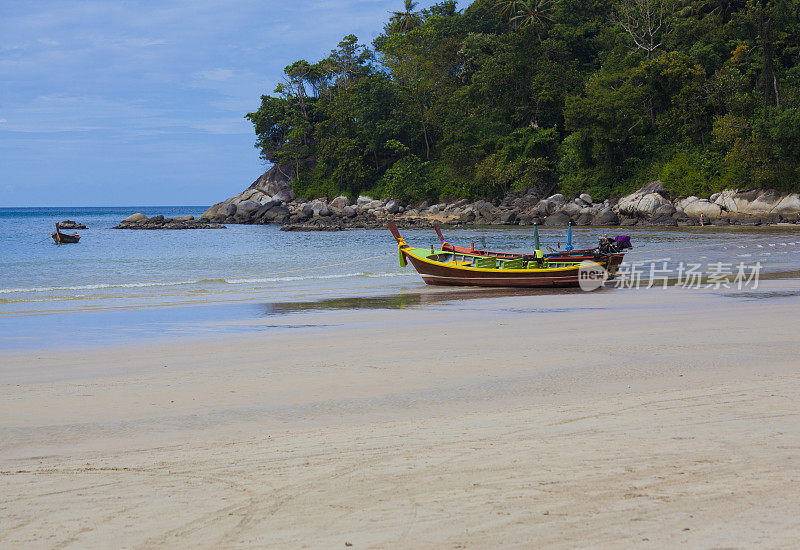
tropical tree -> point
(404, 21)
(468, 103)
(506, 8)
(533, 13)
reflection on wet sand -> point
(763, 295)
(408, 300)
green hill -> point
(567, 95)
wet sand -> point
(613, 419)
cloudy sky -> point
(141, 103)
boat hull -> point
(63, 238)
(440, 274)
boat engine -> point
(613, 245)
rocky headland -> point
(270, 200)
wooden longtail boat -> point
(64, 238)
(441, 267)
(612, 256)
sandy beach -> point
(639, 418)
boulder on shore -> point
(702, 207)
(559, 218)
(606, 216)
(758, 202)
(644, 202)
(339, 204)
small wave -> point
(376, 275)
(290, 278)
(233, 281)
(94, 286)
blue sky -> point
(142, 103)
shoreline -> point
(586, 419)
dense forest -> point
(569, 95)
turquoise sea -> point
(118, 286)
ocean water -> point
(118, 285)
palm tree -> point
(507, 8)
(536, 13)
(404, 21)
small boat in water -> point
(64, 238)
(443, 267)
(610, 250)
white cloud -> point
(64, 113)
(83, 76)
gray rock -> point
(468, 216)
(277, 214)
(644, 202)
(273, 181)
(702, 207)
(508, 217)
(339, 203)
(321, 209)
(571, 209)
(284, 195)
(349, 211)
(759, 202)
(584, 219)
(557, 219)
(664, 210)
(270, 203)
(543, 209)
(586, 197)
(664, 219)
(582, 203)
(246, 209)
(135, 218)
(606, 217)
(260, 214)
(227, 210)
(392, 207)
(212, 211)
(70, 224)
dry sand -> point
(614, 419)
